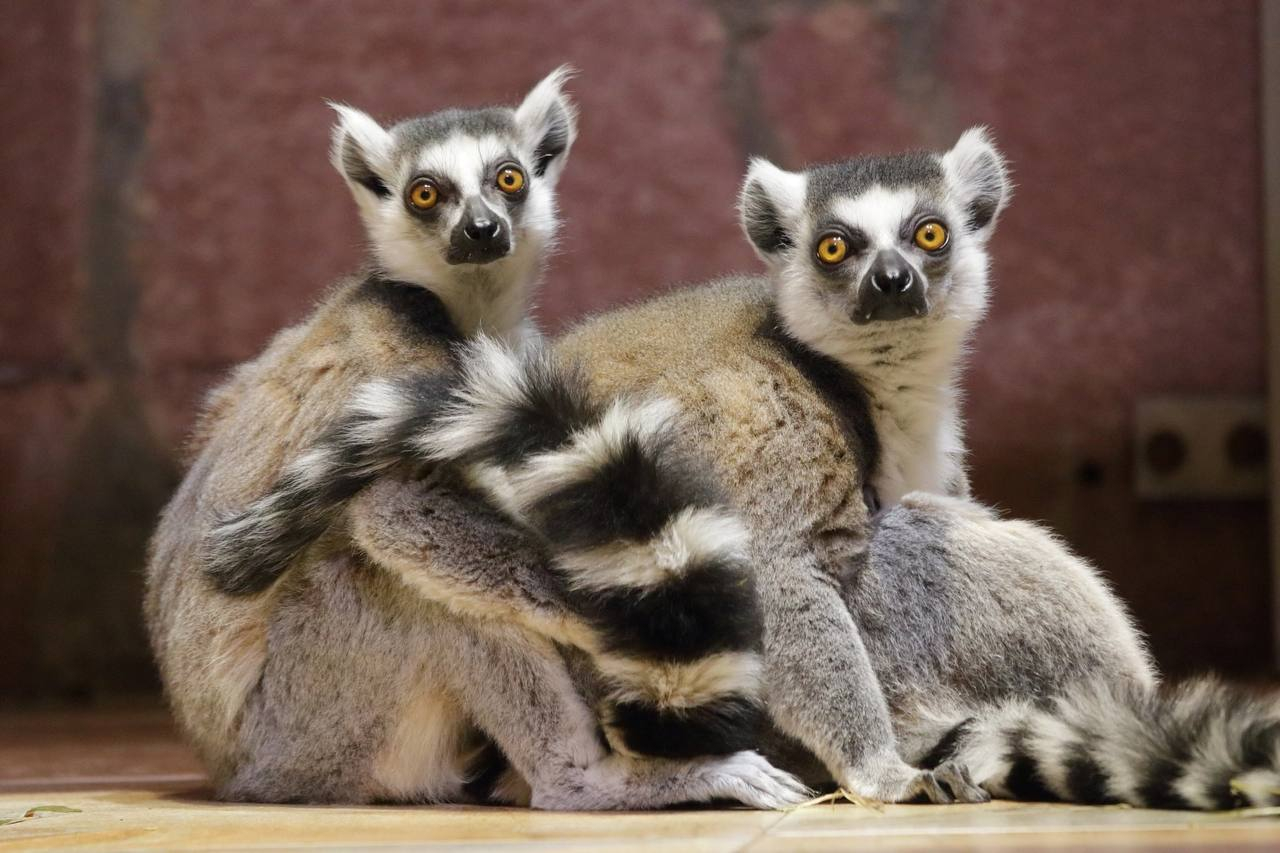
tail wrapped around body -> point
(247, 552)
(651, 557)
(1197, 745)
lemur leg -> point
(447, 545)
(343, 678)
(822, 690)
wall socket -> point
(1201, 448)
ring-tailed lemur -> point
(345, 684)
(878, 269)
(1025, 619)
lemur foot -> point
(949, 783)
(751, 780)
(893, 781)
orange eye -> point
(832, 249)
(931, 236)
(424, 194)
(510, 180)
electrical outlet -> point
(1201, 448)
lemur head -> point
(875, 240)
(456, 190)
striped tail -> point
(1198, 745)
(651, 557)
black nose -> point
(890, 290)
(890, 277)
(481, 229)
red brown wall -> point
(169, 205)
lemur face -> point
(879, 239)
(458, 187)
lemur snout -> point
(890, 274)
(481, 229)
(890, 290)
(480, 237)
(479, 222)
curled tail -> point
(651, 557)
(1198, 745)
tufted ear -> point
(769, 207)
(361, 152)
(547, 122)
(977, 174)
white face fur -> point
(876, 247)
(462, 201)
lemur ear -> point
(361, 151)
(769, 207)
(547, 122)
(977, 174)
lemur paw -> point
(897, 782)
(949, 783)
(751, 780)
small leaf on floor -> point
(34, 810)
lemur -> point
(343, 682)
(956, 640)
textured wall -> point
(170, 206)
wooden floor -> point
(121, 780)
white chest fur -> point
(910, 371)
(921, 446)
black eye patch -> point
(515, 199)
(856, 243)
(856, 239)
(922, 214)
(859, 242)
(446, 189)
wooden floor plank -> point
(175, 819)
